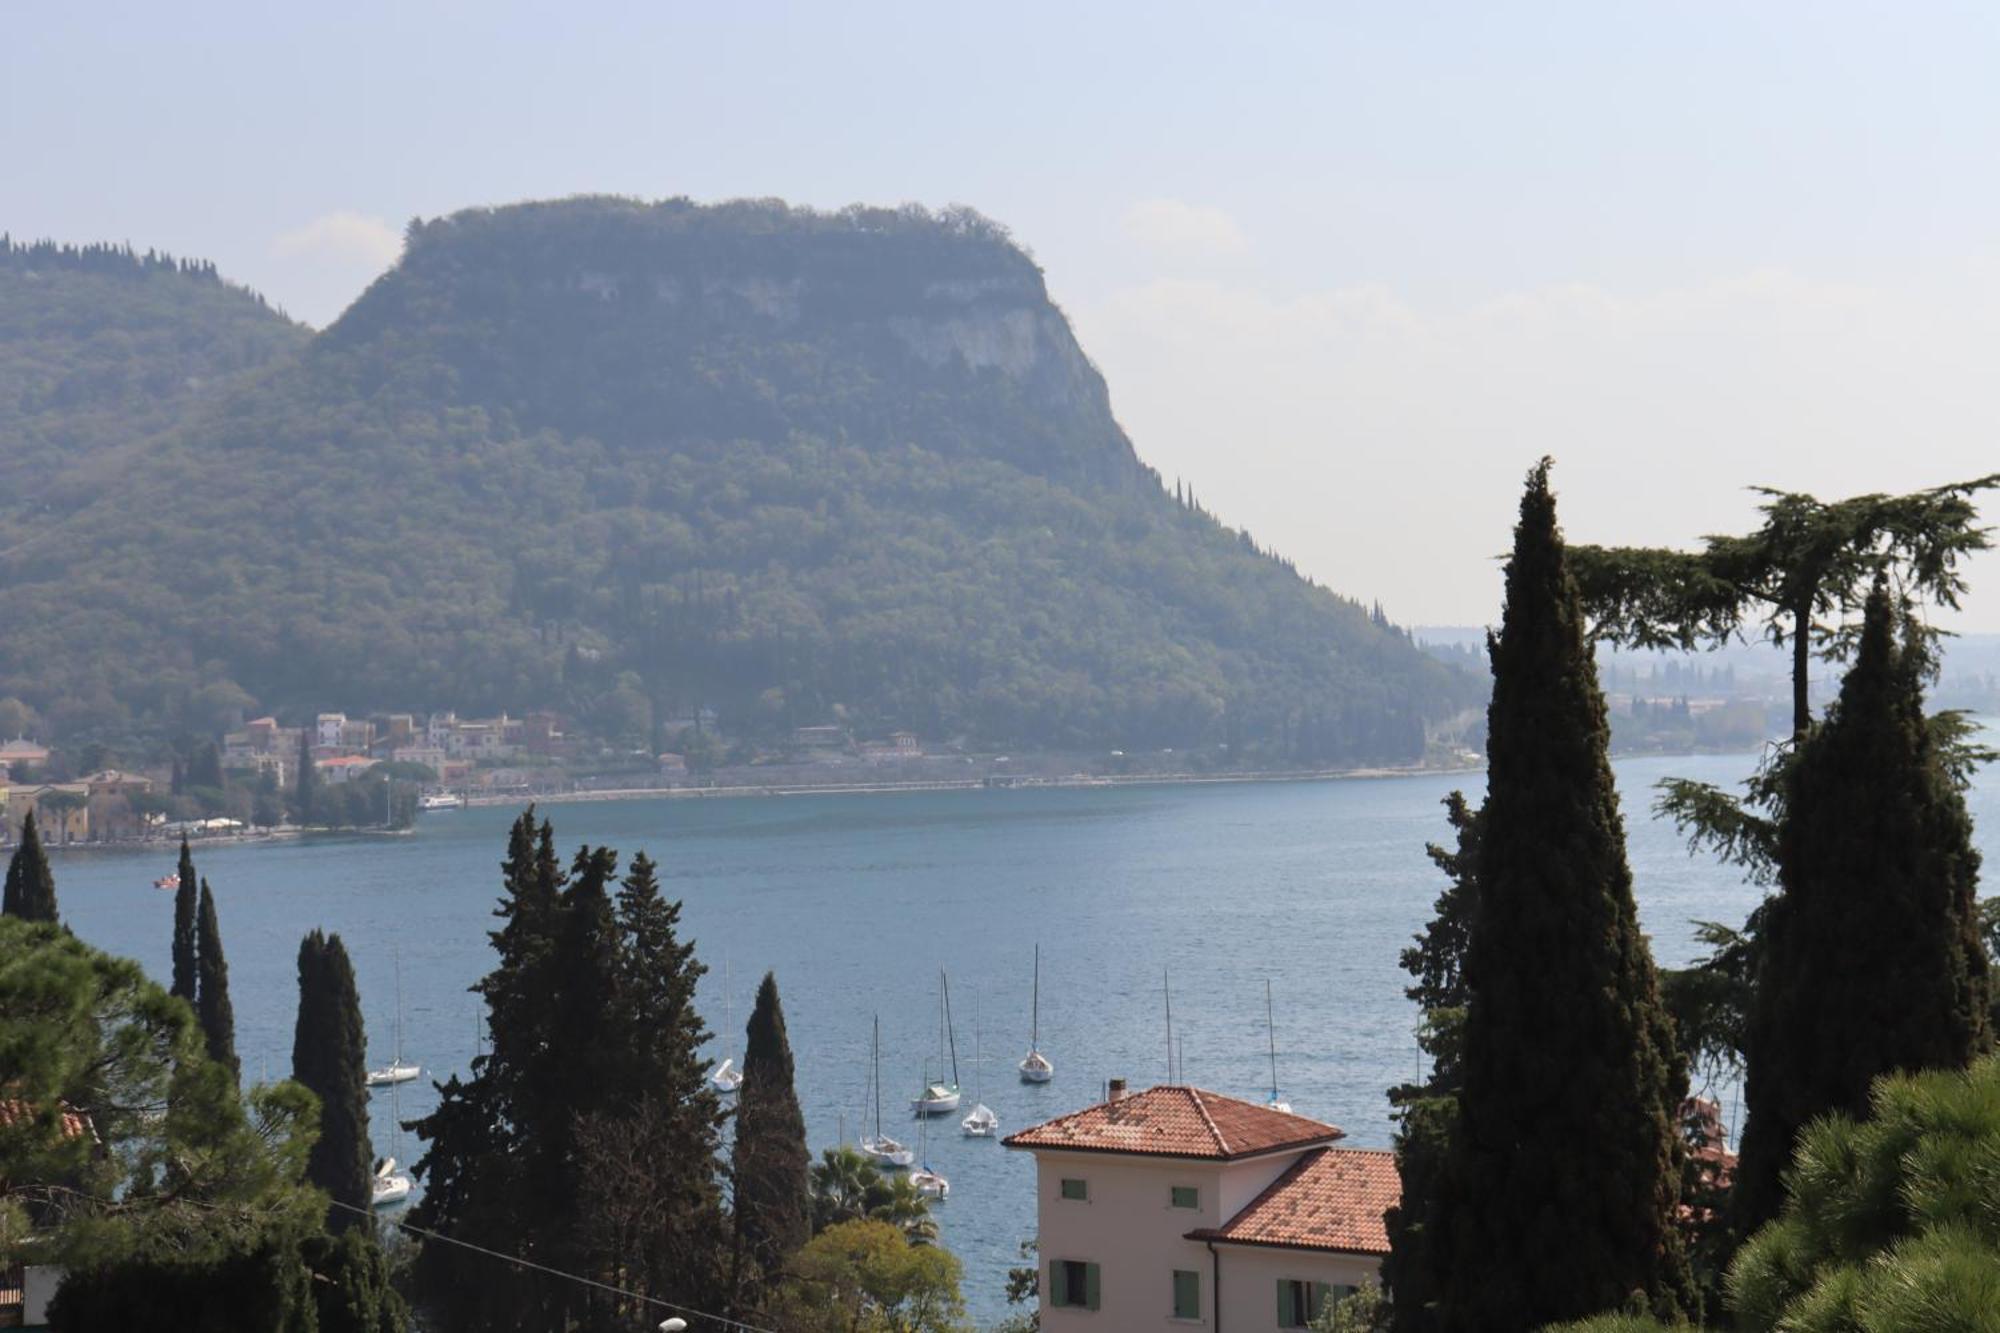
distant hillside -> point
(628, 460)
(101, 347)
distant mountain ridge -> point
(629, 460)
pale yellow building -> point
(1177, 1208)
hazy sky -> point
(1349, 269)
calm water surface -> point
(855, 901)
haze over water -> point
(855, 901)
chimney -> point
(1117, 1090)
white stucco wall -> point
(1250, 1276)
(1130, 1230)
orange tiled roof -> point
(1171, 1121)
(14, 1111)
(1330, 1199)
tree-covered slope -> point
(102, 348)
(627, 460)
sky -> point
(1348, 270)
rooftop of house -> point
(1330, 1199)
(1175, 1121)
(15, 1112)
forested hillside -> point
(628, 460)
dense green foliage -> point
(1566, 1047)
(329, 1057)
(212, 1006)
(626, 460)
(186, 983)
(1807, 572)
(1426, 1111)
(170, 1202)
(587, 1135)
(847, 1186)
(868, 1277)
(30, 891)
(1872, 961)
(772, 1194)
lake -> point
(856, 901)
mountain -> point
(630, 460)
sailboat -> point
(1035, 1067)
(398, 1070)
(982, 1123)
(927, 1178)
(941, 1098)
(389, 1186)
(879, 1147)
(1273, 1101)
(727, 1078)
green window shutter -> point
(1285, 1304)
(1090, 1286)
(1186, 1196)
(1187, 1294)
(1058, 1283)
(1073, 1188)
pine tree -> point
(31, 885)
(773, 1189)
(329, 1055)
(185, 903)
(1563, 1172)
(1426, 1112)
(1872, 960)
(218, 1018)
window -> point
(1299, 1303)
(1187, 1294)
(1072, 1284)
(1186, 1196)
(1075, 1189)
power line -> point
(519, 1262)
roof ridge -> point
(1221, 1142)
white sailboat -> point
(941, 1098)
(398, 1070)
(727, 1078)
(389, 1187)
(982, 1123)
(879, 1147)
(1035, 1067)
(1275, 1102)
(928, 1179)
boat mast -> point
(944, 989)
(1167, 991)
(878, 1078)
(1035, 1022)
(1271, 1029)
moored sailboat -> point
(398, 1070)
(1275, 1102)
(1035, 1067)
(727, 1078)
(928, 1179)
(941, 1098)
(878, 1147)
(981, 1123)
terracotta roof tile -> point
(15, 1112)
(1330, 1199)
(1171, 1121)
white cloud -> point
(1172, 227)
(343, 237)
(1380, 440)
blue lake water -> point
(855, 902)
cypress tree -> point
(212, 1007)
(31, 885)
(773, 1187)
(185, 980)
(305, 782)
(1872, 959)
(329, 1055)
(1563, 1171)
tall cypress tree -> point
(1872, 959)
(185, 902)
(218, 1017)
(773, 1188)
(1563, 1169)
(31, 885)
(329, 1055)
(305, 784)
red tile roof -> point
(14, 1111)
(1330, 1199)
(1170, 1121)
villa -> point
(1175, 1207)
